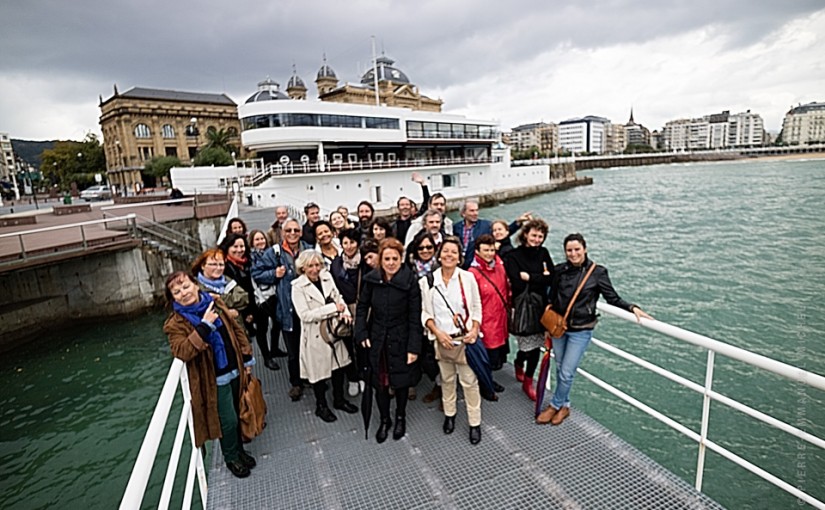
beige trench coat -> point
(317, 360)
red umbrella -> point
(544, 372)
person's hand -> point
(640, 314)
(366, 344)
(248, 370)
(524, 276)
(233, 313)
(471, 336)
(526, 216)
(340, 307)
(444, 339)
(280, 271)
(418, 179)
(346, 318)
(210, 315)
(249, 318)
(411, 357)
(214, 296)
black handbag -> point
(525, 316)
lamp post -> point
(192, 131)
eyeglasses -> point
(292, 230)
(426, 247)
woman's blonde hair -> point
(305, 258)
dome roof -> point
(326, 72)
(386, 72)
(296, 82)
(267, 91)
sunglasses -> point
(292, 230)
(427, 247)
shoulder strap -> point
(500, 295)
(431, 280)
(578, 289)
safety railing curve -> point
(713, 348)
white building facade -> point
(6, 157)
(586, 134)
(804, 124)
(716, 131)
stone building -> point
(804, 124)
(394, 88)
(615, 138)
(715, 131)
(142, 123)
(542, 135)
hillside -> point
(30, 150)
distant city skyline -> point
(527, 63)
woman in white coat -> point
(451, 314)
(315, 298)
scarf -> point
(422, 268)
(194, 314)
(239, 262)
(351, 263)
(217, 286)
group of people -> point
(364, 301)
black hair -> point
(575, 237)
(353, 234)
(321, 223)
(229, 240)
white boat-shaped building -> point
(332, 152)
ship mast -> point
(375, 72)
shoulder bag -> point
(252, 409)
(555, 324)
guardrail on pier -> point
(713, 348)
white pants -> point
(469, 382)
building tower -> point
(326, 80)
(295, 87)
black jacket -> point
(394, 327)
(532, 261)
(583, 315)
(347, 279)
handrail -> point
(145, 204)
(139, 479)
(70, 225)
(713, 347)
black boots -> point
(238, 468)
(247, 460)
(475, 434)
(449, 424)
(345, 406)
(323, 412)
(383, 430)
(400, 427)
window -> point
(172, 151)
(391, 157)
(415, 129)
(430, 129)
(232, 131)
(142, 131)
(447, 180)
(352, 158)
(167, 131)
(444, 130)
(146, 153)
(376, 194)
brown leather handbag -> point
(252, 416)
(553, 322)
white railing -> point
(139, 479)
(713, 347)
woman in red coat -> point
(494, 287)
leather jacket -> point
(566, 278)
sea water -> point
(734, 251)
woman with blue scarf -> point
(218, 360)
(209, 270)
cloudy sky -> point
(517, 61)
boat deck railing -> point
(264, 171)
(133, 497)
(713, 348)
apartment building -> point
(586, 134)
(804, 124)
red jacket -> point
(494, 310)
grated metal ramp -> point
(304, 463)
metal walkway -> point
(306, 463)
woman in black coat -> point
(388, 323)
(530, 266)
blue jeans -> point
(569, 351)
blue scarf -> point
(216, 286)
(194, 314)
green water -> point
(735, 251)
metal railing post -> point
(22, 246)
(703, 433)
(83, 237)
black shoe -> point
(499, 388)
(491, 397)
(383, 430)
(346, 407)
(272, 364)
(325, 414)
(295, 393)
(400, 427)
(449, 424)
(237, 468)
(475, 435)
(247, 460)
(278, 353)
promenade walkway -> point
(306, 463)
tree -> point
(213, 156)
(219, 139)
(71, 161)
(159, 166)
